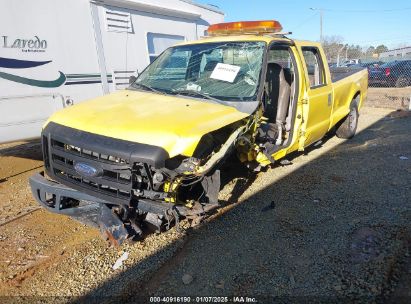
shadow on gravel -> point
(28, 150)
(339, 228)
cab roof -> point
(263, 37)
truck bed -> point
(338, 73)
(346, 82)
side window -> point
(315, 66)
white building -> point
(397, 53)
(57, 52)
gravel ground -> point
(397, 98)
(334, 223)
(331, 224)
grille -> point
(112, 184)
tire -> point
(348, 126)
(402, 81)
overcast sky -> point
(364, 22)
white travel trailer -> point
(54, 53)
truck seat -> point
(278, 91)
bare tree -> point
(332, 47)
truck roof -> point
(264, 38)
(251, 37)
(262, 30)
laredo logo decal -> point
(11, 63)
(26, 45)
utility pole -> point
(321, 25)
(338, 54)
(346, 52)
(321, 20)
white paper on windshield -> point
(225, 72)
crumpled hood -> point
(173, 123)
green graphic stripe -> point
(33, 82)
(85, 75)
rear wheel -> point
(402, 81)
(347, 128)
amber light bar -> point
(244, 27)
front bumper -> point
(61, 199)
(87, 209)
(93, 211)
(54, 197)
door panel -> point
(24, 116)
(319, 95)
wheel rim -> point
(353, 119)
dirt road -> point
(336, 222)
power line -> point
(388, 39)
(304, 22)
(366, 11)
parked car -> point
(392, 74)
(372, 64)
(350, 62)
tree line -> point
(335, 48)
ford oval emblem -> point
(86, 170)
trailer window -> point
(315, 66)
(173, 67)
(157, 43)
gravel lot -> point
(334, 223)
(397, 98)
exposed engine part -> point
(188, 165)
(111, 226)
(136, 228)
(267, 132)
(158, 177)
(155, 220)
(216, 157)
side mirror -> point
(132, 79)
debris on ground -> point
(120, 261)
(187, 278)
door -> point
(318, 96)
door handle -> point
(329, 99)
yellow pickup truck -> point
(150, 155)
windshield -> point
(389, 64)
(228, 71)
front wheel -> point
(347, 128)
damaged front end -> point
(123, 187)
